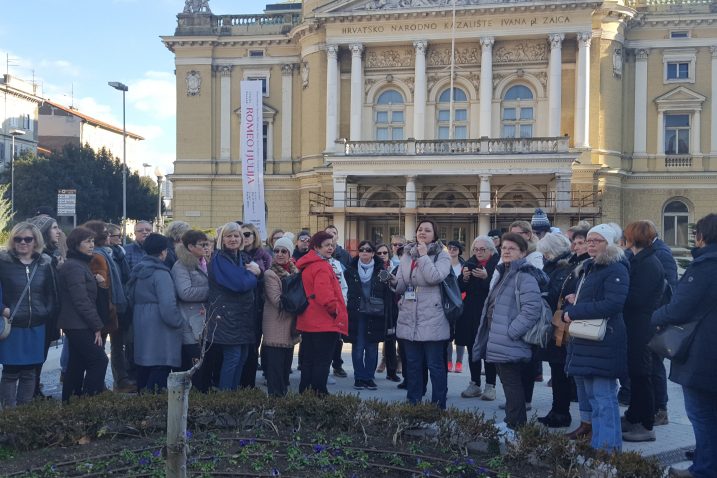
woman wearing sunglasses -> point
(29, 297)
(278, 326)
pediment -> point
(682, 95)
(267, 112)
(377, 6)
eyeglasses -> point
(281, 251)
(304, 239)
(203, 245)
(509, 249)
(480, 249)
(143, 231)
(382, 253)
(592, 242)
(397, 244)
(248, 234)
(26, 240)
(115, 235)
(365, 249)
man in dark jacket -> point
(340, 253)
(302, 244)
(134, 252)
(695, 299)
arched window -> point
(675, 218)
(389, 116)
(518, 112)
(460, 114)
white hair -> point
(553, 245)
(488, 243)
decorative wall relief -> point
(617, 62)
(464, 56)
(520, 51)
(194, 83)
(392, 58)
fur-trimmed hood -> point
(186, 258)
(434, 248)
(612, 254)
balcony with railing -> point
(483, 146)
(678, 161)
(259, 24)
(682, 6)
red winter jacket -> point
(326, 311)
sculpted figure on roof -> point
(196, 6)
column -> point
(339, 191)
(713, 108)
(410, 218)
(225, 110)
(486, 86)
(419, 90)
(563, 191)
(696, 146)
(356, 91)
(287, 76)
(484, 203)
(332, 111)
(640, 121)
(661, 133)
(555, 81)
(582, 94)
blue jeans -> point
(586, 410)
(434, 355)
(234, 359)
(364, 355)
(607, 431)
(701, 409)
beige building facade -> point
(378, 113)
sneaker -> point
(393, 378)
(459, 367)
(626, 425)
(450, 366)
(359, 385)
(555, 420)
(639, 433)
(331, 380)
(488, 393)
(340, 372)
(382, 366)
(505, 430)
(661, 417)
(473, 390)
(371, 385)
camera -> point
(384, 275)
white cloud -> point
(59, 67)
(155, 95)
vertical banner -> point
(252, 155)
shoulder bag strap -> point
(24, 293)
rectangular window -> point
(461, 132)
(443, 132)
(461, 115)
(509, 114)
(677, 134)
(526, 131)
(263, 83)
(256, 53)
(444, 115)
(680, 34)
(526, 113)
(396, 134)
(397, 117)
(678, 70)
(382, 134)
(382, 117)
(508, 131)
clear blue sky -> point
(80, 45)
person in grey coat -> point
(422, 326)
(513, 306)
(192, 286)
(158, 324)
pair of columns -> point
(485, 91)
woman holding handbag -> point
(596, 309)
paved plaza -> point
(672, 439)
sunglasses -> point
(247, 234)
(382, 253)
(305, 239)
(281, 251)
(365, 249)
(26, 240)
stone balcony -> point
(673, 6)
(483, 146)
(236, 25)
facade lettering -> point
(362, 30)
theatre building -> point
(378, 113)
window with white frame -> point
(259, 75)
(677, 134)
(460, 114)
(517, 112)
(678, 70)
(389, 116)
(675, 220)
(264, 86)
(679, 66)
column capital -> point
(225, 70)
(287, 69)
(641, 54)
(713, 50)
(332, 50)
(584, 39)
(487, 42)
(339, 179)
(411, 178)
(485, 177)
(420, 46)
(556, 40)
(356, 49)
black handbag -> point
(373, 306)
(451, 297)
(674, 341)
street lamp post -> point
(123, 88)
(13, 133)
(158, 173)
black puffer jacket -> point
(558, 270)
(40, 305)
(476, 291)
(377, 325)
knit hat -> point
(457, 245)
(607, 232)
(43, 223)
(154, 244)
(540, 221)
(495, 233)
(286, 241)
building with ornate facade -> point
(380, 112)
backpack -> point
(293, 296)
(540, 333)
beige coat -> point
(192, 287)
(278, 326)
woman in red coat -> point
(325, 317)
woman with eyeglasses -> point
(600, 293)
(368, 305)
(278, 326)
(475, 283)
(191, 283)
(389, 357)
(511, 309)
(29, 298)
(80, 319)
(232, 305)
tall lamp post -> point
(158, 173)
(123, 88)
(13, 133)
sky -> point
(73, 48)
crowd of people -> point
(214, 303)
